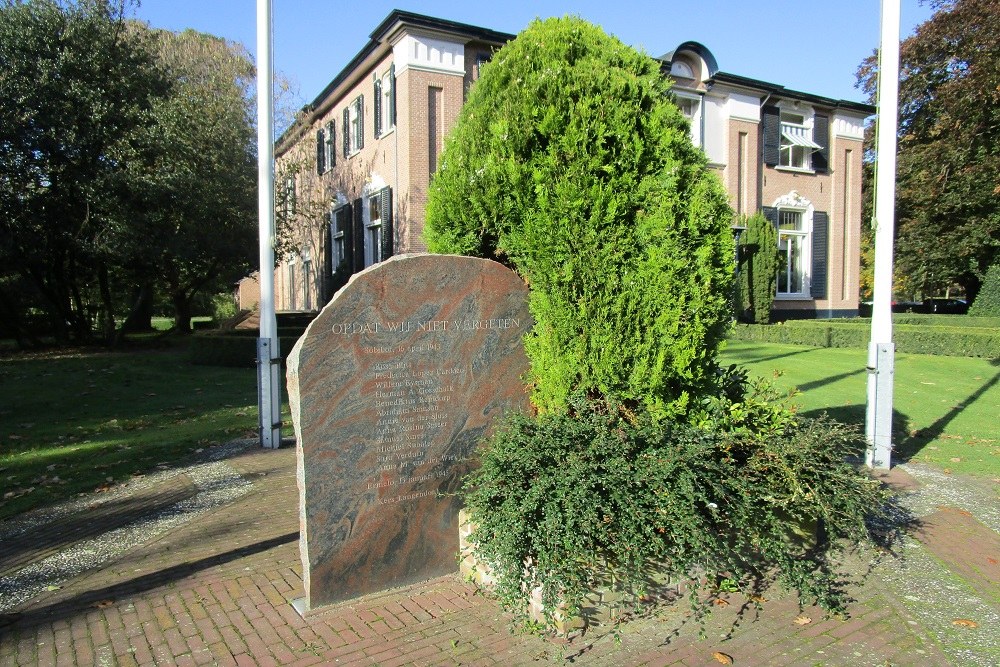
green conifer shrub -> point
(570, 163)
(987, 303)
(758, 270)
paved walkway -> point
(198, 565)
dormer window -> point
(681, 69)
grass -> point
(75, 422)
(945, 408)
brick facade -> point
(434, 63)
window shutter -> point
(385, 207)
(347, 132)
(378, 108)
(320, 152)
(771, 125)
(358, 240)
(821, 135)
(817, 277)
(331, 143)
(345, 221)
(361, 122)
(392, 95)
(771, 213)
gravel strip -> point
(218, 484)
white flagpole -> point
(881, 349)
(268, 353)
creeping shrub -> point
(593, 493)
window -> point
(307, 280)
(340, 225)
(385, 103)
(291, 285)
(681, 69)
(320, 152)
(354, 126)
(288, 203)
(373, 231)
(329, 146)
(796, 143)
(791, 252)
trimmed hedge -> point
(233, 349)
(957, 341)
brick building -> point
(352, 174)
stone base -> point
(602, 606)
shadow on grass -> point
(749, 355)
(88, 600)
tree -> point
(570, 163)
(198, 230)
(758, 269)
(76, 86)
(948, 218)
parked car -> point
(945, 306)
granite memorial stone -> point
(391, 387)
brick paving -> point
(216, 590)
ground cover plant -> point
(570, 164)
(944, 407)
(74, 421)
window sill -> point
(386, 133)
(793, 297)
(795, 170)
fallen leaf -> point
(993, 561)
(802, 620)
(759, 599)
(956, 459)
(719, 602)
(723, 658)
(52, 587)
(102, 604)
(965, 623)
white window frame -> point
(372, 242)
(796, 156)
(355, 124)
(307, 280)
(693, 103)
(387, 124)
(793, 203)
(338, 238)
(290, 277)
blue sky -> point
(814, 47)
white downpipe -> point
(881, 349)
(268, 353)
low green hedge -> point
(950, 339)
(233, 349)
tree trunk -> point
(182, 312)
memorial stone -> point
(391, 387)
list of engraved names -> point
(411, 386)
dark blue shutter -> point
(361, 122)
(392, 95)
(331, 143)
(320, 152)
(345, 224)
(347, 132)
(385, 208)
(358, 242)
(771, 125)
(771, 213)
(821, 135)
(820, 233)
(378, 108)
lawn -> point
(945, 408)
(73, 422)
